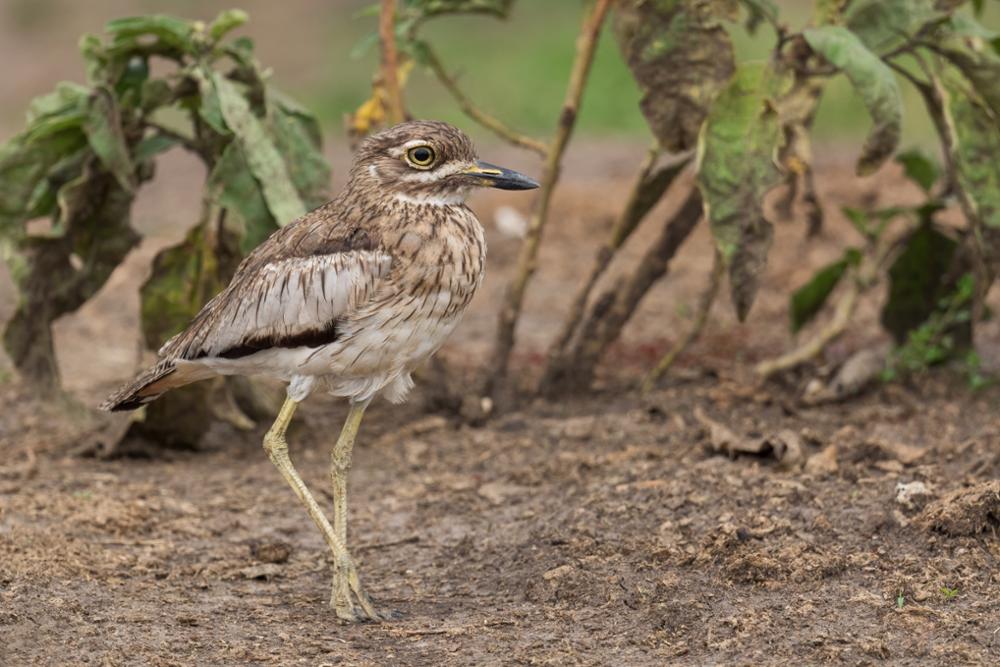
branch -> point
(514, 298)
(704, 306)
(477, 114)
(390, 62)
(574, 371)
(863, 279)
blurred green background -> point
(515, 69)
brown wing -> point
(290, 291)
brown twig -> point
(475, 113)
(701, 317)
(613, 309)
(647, 188)
(390, 62)
(514, 297)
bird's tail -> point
(153, 383)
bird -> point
(349, 299)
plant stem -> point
(514, 298)
(477, 114)
(704, 306)
(390, 62)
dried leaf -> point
(681, 56)
(736, 168)
(876, 84)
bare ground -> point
(601, 530)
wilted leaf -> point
(876, 84)
(24, 169)
(227, 20)
(183, 278)
(979, 63)
(808, 300)
(882, 25)
(234, 188)
(916, 280)
(263, 158)
(681, 57)
(107, 138)
(974, 143)
(919, 168)
(172, 31)
(372, 112)
(736, 168)
(62, 109)
(94, 213)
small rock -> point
(500, 492)
(265, 572)
(557, 572)
(271, 552)
(824, 462)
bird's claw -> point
(350, 601)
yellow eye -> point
(420, 157)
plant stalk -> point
(514, 298)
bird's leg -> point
(340, 465)
(277, 450)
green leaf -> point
(431, 8)
(172, 31)
(916, 280)
(152, 146)
(297, 137)
(974, 143)
(883, 25)
(760, 10)
(808, 300)
(227, 20)
(234, 188)
(107, 138)
(876, 84)
(979, 63)
(63, 109)
(919, 168)
(681, 57)
(262, 157)
(736, 168)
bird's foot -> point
(349, 600)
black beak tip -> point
(522, 183)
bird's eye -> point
(420, 157)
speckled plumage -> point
(354, 294)
(350, 298)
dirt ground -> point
(602, 530)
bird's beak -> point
(497, 177)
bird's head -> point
(428, 162)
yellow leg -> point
(277, 450)
(340, 465)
